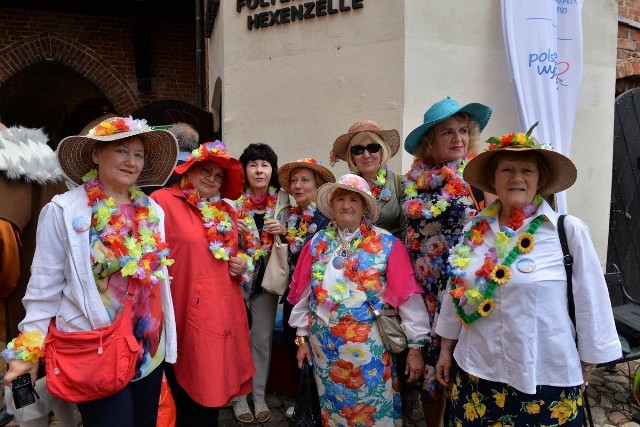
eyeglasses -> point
(357, 150)
(208, 173)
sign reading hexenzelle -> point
(303, 10)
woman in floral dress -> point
(518, 362)
(437, 204)
(344, 272)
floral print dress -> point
(356, 381)
(431, 232)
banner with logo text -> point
(543, 40)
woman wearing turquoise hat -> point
(438, 204)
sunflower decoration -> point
(501, 274)
(525, 243)
(486, 307)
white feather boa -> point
(25, 156)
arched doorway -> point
(52, 96)
(624, 218)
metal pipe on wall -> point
(200, 84)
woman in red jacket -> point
(215, 361)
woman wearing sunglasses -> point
(367, 149)
(438, 204)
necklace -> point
(219, 226)
(448, 178)
(377, 189)
(257, 243)
(495, 270)
(142, 254)
(299, 224)
(364, 239)
(216, 219)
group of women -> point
(421, 244)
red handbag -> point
(89, 365)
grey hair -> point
(186, 135)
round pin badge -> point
(526, 265)
(81, 223)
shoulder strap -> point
(398, 181)
(567, 259)
(478, 197)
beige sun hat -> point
(390, 137)
(563, 171)
(350, 182)
(74, 153)
(284, 173)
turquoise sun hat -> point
(441, 111)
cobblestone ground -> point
(612, 403)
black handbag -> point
(307, 408)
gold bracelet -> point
(300, 340)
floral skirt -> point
(355, 375)
(478, 402)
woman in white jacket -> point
(95, 243)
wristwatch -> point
(301, 339)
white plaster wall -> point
(298, 86)
(592, 148)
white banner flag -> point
(543, 39)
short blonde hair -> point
(426, 142)
(375, 138)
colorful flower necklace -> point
(299, 223)
(377, 189)
(493, 271)
(424, 177)
(140, 257)
(257, 245)
(367, 240)
(218, 223)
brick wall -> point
(101, 49)
(628, 58)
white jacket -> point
(62, 283)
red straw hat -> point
(216, 152)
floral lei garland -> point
(422, 177)
(257, 245)
(367, 240)
(377, 189)
(217, 221)
(140, 257)
(299, 224)
(493, 272)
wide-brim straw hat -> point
(390, 137)
(350, 182)
(441, 111)
(74, 153)
(233, 183)
(284, 173)
(563, 171)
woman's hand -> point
(242, 226)
(415, 365)
(444, 365)
(18, 367)
(273, 226)
(237, 266)
(303, 352)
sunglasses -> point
(357, 150)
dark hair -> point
(261, 152)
